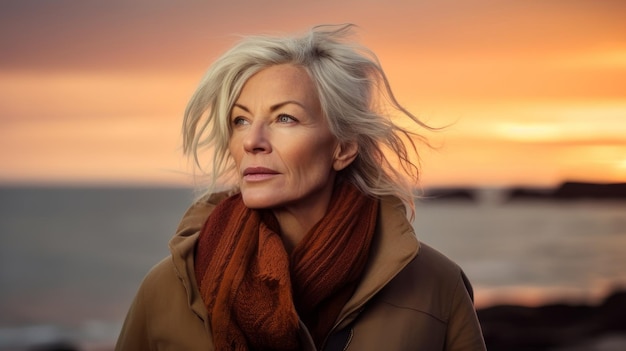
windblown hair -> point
(355, 97)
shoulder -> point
(159, 279)
(427, 305)
(431, 269)
(430, 283)
(161, 315)
(163, 295)
(437, 269)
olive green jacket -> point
(411, 297)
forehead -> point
(280, 82)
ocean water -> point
(532, 252)
(71, 259)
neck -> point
(297, 218)
(295, 223)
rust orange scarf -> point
(255, 292)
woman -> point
(312, 250)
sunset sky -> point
(535, 91)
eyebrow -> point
(273, 107)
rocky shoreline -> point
(558, 326)
(572, 191)
(567, 191)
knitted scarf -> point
(255, 292)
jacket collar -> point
(182, 247)
(394, 246)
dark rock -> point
(576, 190)
(530, 194)
(572, 191)
(518, 328)
(55, 346)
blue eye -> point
(283, 118)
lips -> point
(258, 170)
(252, 174)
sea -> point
(72, 258)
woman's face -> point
(284, 151)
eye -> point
(239, 121)
(284, 118)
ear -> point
(344, 155)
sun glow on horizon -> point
(528, 132)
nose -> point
(256, 139)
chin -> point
(259, 201)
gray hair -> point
(354, 94)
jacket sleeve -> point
(134, 333)
(464, 332)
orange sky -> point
(93, 91)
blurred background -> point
(93, 183)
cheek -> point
(314, 162)
(235, 152)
